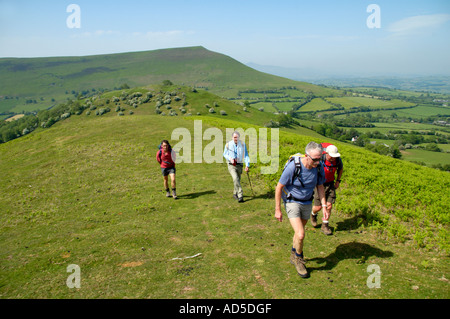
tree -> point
(285, 120)
(395, 152)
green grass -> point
(196, 103)
(417, 155)
(415, 113)
(444, 147)
(285, 106)
(88, 191)
(407, 126)
(387, 142)
(395, 93)
(268, 107)
(430, 158)
(316, 104)
(248, 96)
(350, 102)
(298, 94)
(423, 111)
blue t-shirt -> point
(309, 178)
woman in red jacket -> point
(166, 158)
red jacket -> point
(166, 160)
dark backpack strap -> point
(298, 170)
(319, 171)
(159, 155)
(340, 164)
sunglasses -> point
(314, 159)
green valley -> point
(33, 84)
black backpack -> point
(298, 167)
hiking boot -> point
(167, 193)
(292, 259)
(174, 194)
(314, 220)
(299, 264)
(326, 229)
(241, 200)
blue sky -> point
(327, 35)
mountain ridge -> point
(43, 79)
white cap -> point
(332, 151)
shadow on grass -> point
(195, 195)
(269, 195)
(349, 224)
(351, 250)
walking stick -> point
(251, 187)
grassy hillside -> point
(32, 83)
(88, 191)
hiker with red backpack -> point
(301, 175)
(166, 158)
(333, 166)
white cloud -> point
(417, 24)
(108, 32)
(97, 33)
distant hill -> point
(433, 84)
(436, 84)
(39, 83)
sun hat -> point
(332, 151)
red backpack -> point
(332, 167)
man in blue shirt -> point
(297, 194)
(236, 154)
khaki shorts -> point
(295, 210)
(330, 194)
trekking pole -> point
(251, 187)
